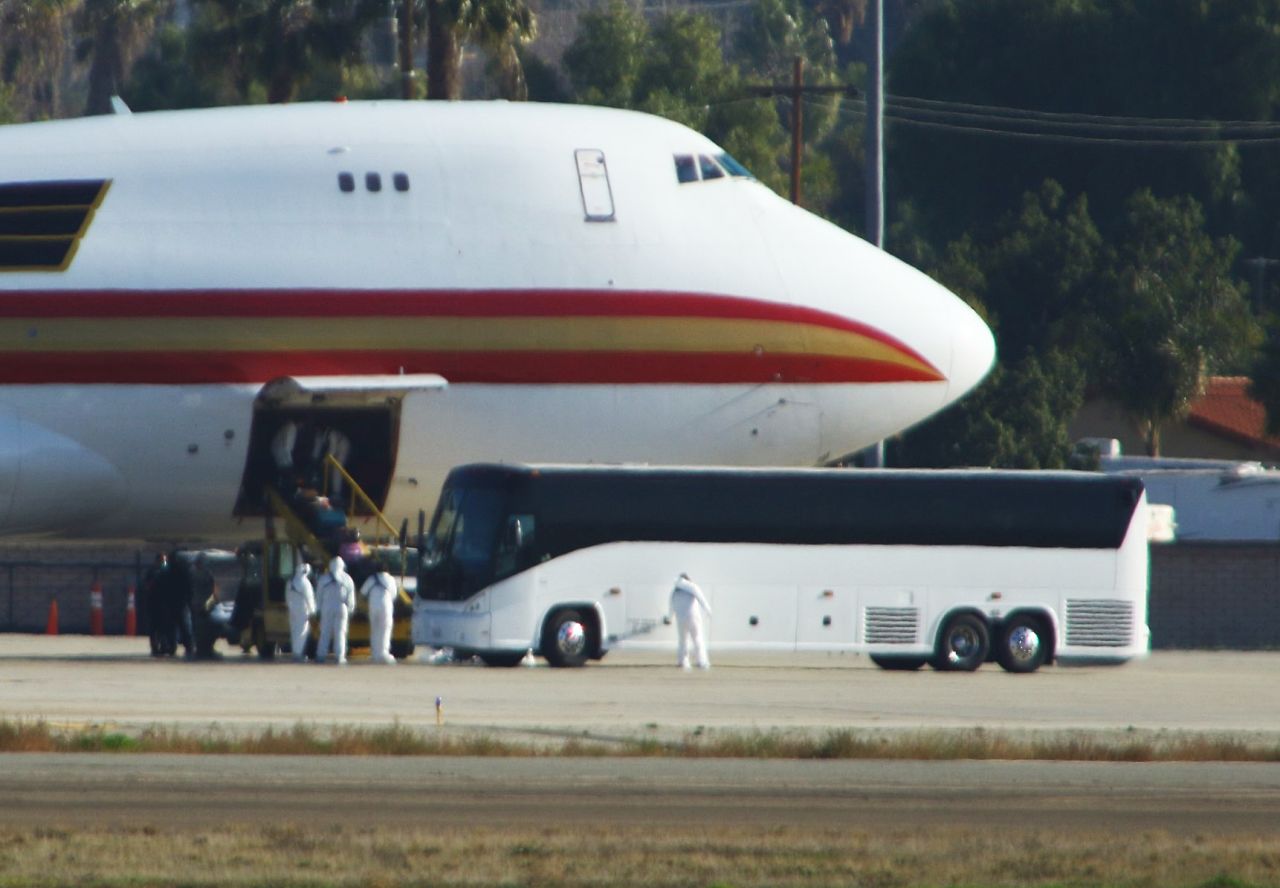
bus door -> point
(298, 421)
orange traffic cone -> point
(51, 627)
(131, 614)
(95, 608)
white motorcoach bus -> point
(950, 568)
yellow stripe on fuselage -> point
(446, 334)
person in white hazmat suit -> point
(336, 595)
(689, 605)
(302, 604)
(380, 589)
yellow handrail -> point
(298, 530)
(359, 492)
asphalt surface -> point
(73, 681)
(169, 792)
(111, 681)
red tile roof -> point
(1226, 409)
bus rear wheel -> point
(898, 663)
(566, 639)
(963, 644)
(1023, 645)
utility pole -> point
(797, 127)
(796, 91)
(874, 132)
(406, 49)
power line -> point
(1052, 127)
(1000, 110)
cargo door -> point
(297, 421)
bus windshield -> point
(458, 560)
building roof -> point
(1226, 409)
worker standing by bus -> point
(688, 603)
(336, 595)
(302, 604)
(380, 590)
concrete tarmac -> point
(112, 682)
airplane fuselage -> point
(577, 299)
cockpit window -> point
(710, 169)
(685, 169)
(733, 167)
(701, 167)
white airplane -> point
(441, 282)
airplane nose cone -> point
(973, 349)
(929, 319)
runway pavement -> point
(111, 682)
(200, 792)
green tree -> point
(674, 69)
(1015, 420)
(7, 112)
(842, 17)
(33, 54)
(278, 46)
(606, 57)
(498, 27)
(112, 32)
(1031, 281)
(167, 75)
(1173, 313)
(772, 35)
(683, 68)
(1041, 275)
(1141, 58)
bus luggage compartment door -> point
(753, 617)
(826, 617)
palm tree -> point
(281, 43)
(32, 53)
(496, 26)
(112, 32)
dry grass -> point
(304, 855)
(402, 740)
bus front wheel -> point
(963, 644)
(566, 639)
(1023, 645)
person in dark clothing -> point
(175, 593)
(203, 592)
(153, 608)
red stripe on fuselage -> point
(416, 303)
(507, 368)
